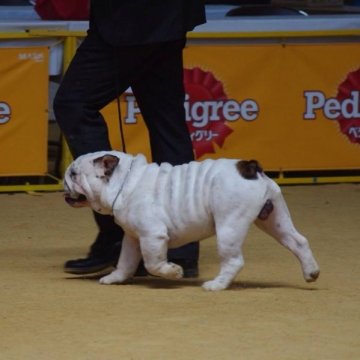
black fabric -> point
(135, 22)
(108, 241)
(99, 72)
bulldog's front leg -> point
(129, 260)
(154, 251)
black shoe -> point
(190, 267)
(90, 264)
(93, 264)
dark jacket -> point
(137, 22)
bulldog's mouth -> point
(78, 201)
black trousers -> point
(96, 76)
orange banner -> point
(291, 106)
(23, 111)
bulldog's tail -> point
(249, 169)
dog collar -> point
(122, 185)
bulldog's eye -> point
(72, 173)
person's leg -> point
(86, 88)
(88, 85)
(160, 95)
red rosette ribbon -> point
(203, 91)
(350, 125)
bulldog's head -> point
(86, 178)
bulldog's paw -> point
(175, 271)
(214, 285)
(312, 276)
(167, 271)
(311, 270)
(114, 278)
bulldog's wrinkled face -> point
(85, 179)
(74, 194)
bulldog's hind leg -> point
(154, 250)
(129, 260)
(277, 223)
(230, 237)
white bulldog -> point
(161, 207)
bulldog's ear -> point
(108, 163)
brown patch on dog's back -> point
(248, 169)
